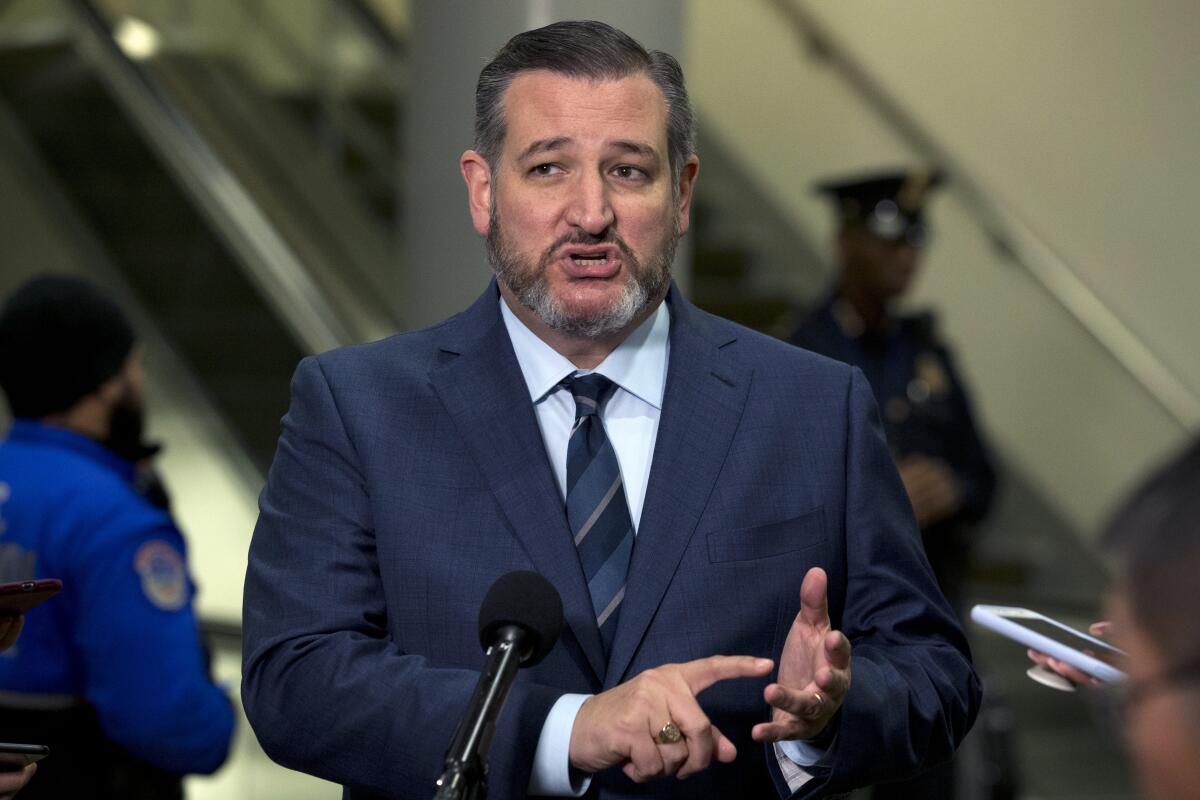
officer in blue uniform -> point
(111, 672)
(939, 452)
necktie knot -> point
(590, 392)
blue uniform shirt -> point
(122, 634)
(925, 411)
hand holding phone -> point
(1085, 653)
(17, 598)
(17, 766)
(15, 756)
(1061, 670)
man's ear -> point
(687, 183)
(478, 175)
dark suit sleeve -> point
(913, 693)
(325, 687)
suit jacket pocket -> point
(766, 541)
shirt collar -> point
(638, 365)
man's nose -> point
(590, 208)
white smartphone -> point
(1052, 638)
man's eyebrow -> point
(637, 148)
(559, 142)
(544, 146)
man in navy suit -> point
(747, 604)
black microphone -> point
(519, 622)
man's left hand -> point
(814, 670)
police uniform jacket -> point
(110, 673)
(925, 409)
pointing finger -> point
(704, 672)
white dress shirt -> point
(638, 367)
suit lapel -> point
(706, 393)
(482, 390)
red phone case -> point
(19, 597)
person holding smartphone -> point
(12, 780)
(1151, 615)
(111, 674)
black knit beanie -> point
(60, 338)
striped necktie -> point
(596, 507)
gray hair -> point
(592, 50)
(1156, 537)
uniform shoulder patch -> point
(164, 577)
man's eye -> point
(628, 172)
(546, 169)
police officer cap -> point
(60, 338)
(890, 204)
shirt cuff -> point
(801, 753)
(798, 761)
(552, 773)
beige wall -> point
(1076, 114)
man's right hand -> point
(618, 726)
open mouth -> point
(595, 262)
(590, 259)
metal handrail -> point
(1011, 237)
(352, 124)
(284, 281)
(374, 30)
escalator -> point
(156, 197)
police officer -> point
(940, 454)
(926, 412)
(111, 672)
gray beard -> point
(647, 286)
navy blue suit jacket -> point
(411, 473)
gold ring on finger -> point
(819, 698)
(668, 734)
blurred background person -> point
(942, 458)
(1155, 537)
(111, 675)
(926, 413)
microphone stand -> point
(465, 773)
